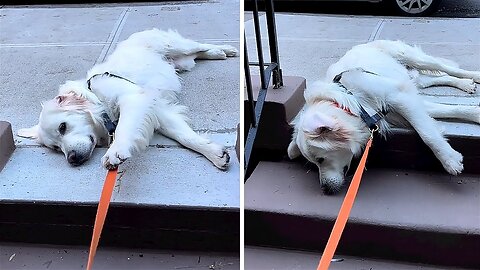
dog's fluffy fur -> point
(72, 122)
(329, 136)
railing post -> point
(271, 71)
(273, 44)
(248, 84)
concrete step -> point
(399, 214)
(260, 258)
(280, 107)
(175, 204)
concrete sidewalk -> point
(27, 256)
(310, 43)
(42, 46)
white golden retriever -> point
(378, 76)
(136, 86)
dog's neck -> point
(335, 95)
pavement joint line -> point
(179, 146)
(92, 43)
(217, 131)
(111, 5)
(447, 95)
(377, 30)
(51, 44)
(113, 37)
(286, 38)
(363, 41)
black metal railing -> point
(267, 71)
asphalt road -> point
(448, 8)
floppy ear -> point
(293, 150)
(31, 133)
(317, 124)
(71, 101)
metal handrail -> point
(267, 71)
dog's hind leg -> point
(424, 81)
(416, 58)
(173, 125)
(179, 46)
(412, 110)
(462, 112)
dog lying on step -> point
(136, 86)
(374, 79)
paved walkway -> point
(15, 256)
(42, 46)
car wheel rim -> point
(414, 6)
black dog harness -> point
(370, 121)
(107, 122)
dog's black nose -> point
(73, 158)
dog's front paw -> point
(230, 51)
(453, 162)
(114, 157)
(219, 157)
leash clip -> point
(373, 130)
(111, 138)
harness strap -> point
(107, 121)
(370, 121)
(344, 212)
(109, 75)
(101, 214)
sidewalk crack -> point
(114, 35)
(377, 30)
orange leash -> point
(101, 213)
(344, 212)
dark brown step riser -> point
(125, 226)
(364, 240)
(407, 150)
(402, 149)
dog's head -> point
(67, 124)
(329, 137)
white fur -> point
(399, 70)
(150, 59)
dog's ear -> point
(30, 133)
(321, 126)
(71, 101)
(317, 124)
(293, 150)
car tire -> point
(414, 8)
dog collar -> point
(370, 121)
(347, 110)
(108, 124)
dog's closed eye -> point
(56, 148)
(62, 128)
(320, 160)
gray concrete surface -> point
(310, 43)
(14, 256)
(257, 258)
(42, 46)
(289, 187)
